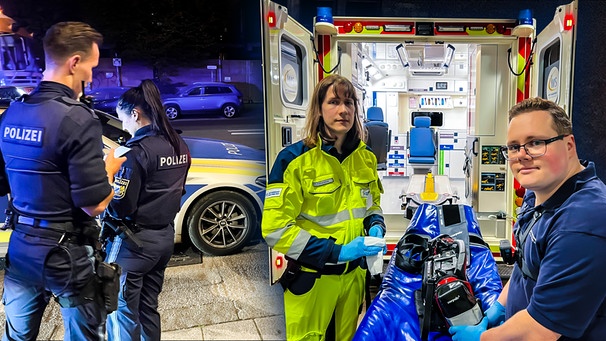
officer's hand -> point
(468, 333)
(357, 249)
(377, 231)
(112, 163)
(495, 315)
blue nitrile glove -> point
(468, 333)
(377, 231)
(495, 315)
(357, 249)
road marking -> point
(246, 131)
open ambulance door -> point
(554, 58)
(288, 82)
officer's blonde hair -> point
(315, 125)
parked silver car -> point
(210, 97)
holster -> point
(109, 280)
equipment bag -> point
(446, 297)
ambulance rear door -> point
(288, 81)
(554, 58)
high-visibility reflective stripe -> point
(297, 245)
(371, 212)
(334, 219)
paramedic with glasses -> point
(556, 289)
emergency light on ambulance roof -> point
(324, 14)
(324, 21)
(525, 17)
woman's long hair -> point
(146, 97)
(315, 124)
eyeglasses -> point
(534, 148)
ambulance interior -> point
(450, 99)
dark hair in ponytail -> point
(147, 97)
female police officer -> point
(322, 197)
(148, 189)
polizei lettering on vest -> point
(173, 160)
(24, 135)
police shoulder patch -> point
(120, 187)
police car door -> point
(288, 81)
(554, 58)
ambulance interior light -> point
(397, 28)
(402, 55)
(449, 55)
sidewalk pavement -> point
(223, 298)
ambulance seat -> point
(422, 149)
(379, 135)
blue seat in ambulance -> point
(394, 314)
(422, 149)
(379, 135)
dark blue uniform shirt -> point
(52, 148)
(567, 249)
(149, 186)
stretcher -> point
(427, 188)
(393, 314)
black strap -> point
(412, 251)
(429, 287)
(521, 237)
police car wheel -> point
(229, 110)
(222, 223)
(172, 111)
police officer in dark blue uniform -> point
(52, 150)
(148, 190)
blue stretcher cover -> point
(392, 314)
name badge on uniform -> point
(272, 193)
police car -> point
(221, 209)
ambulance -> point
(460, 75)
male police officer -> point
(52, 149)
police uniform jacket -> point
(315, 203)
(149, 185)
(52, 148)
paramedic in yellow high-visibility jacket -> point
(322, 199)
